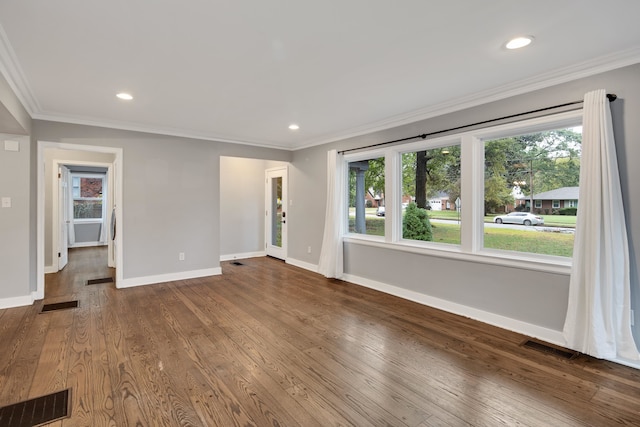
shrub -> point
(568, 211)
(416, 224)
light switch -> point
(11, 145)
(6, 202)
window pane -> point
(366, 197)
(276, 207)
(431, 195)
(539, 170)
(90, 187)
(83, 209)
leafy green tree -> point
(536, 162)
(374, 177)
(416, 224)
(426, 173)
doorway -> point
(50, 228)
(276, 212)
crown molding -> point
(12, 73)
(153, 130)
(562, 75)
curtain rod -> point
(612, 97)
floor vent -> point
(98, 281)
(236, 263)
(38, 411)
(59, 306)
(546, 348)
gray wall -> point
(16, 264)
(14, 119)
(242, 192)
(536, 298)
(87, 233)
(171, 194)
(14, 221)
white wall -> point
(242, 193)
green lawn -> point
(538, 242)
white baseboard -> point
(16, 301)
(244, 255)
(531, 330)
(50, 269)
(37, 295)
(302, 264)
(170, 277)
(86, 244)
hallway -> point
(70, 283)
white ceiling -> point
(242, 71)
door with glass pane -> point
(276, 212)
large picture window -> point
(528, 170)
(505, 194)
(366, 196)
(430, 189)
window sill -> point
(547, 264)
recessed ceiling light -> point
(294, 126)
(518, 42)
(125, 96)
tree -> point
(374, 177)
(373, 180)
(416, 224)
(429, 172)
(535, 162)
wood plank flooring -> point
(268, 344)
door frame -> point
(55, 198)
(42, 147)
(274, 251)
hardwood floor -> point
(270, 344)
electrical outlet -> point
(308, 249)
(181, 256)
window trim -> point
(471, 247)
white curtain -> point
(331, 255)
(598, 316)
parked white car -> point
(522, 218)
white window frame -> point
(471, 247)
(356, 157)
(81, 175)
(555, 204)
(537, 204)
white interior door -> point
(110, 220)
(276, 212)
(65, 221)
